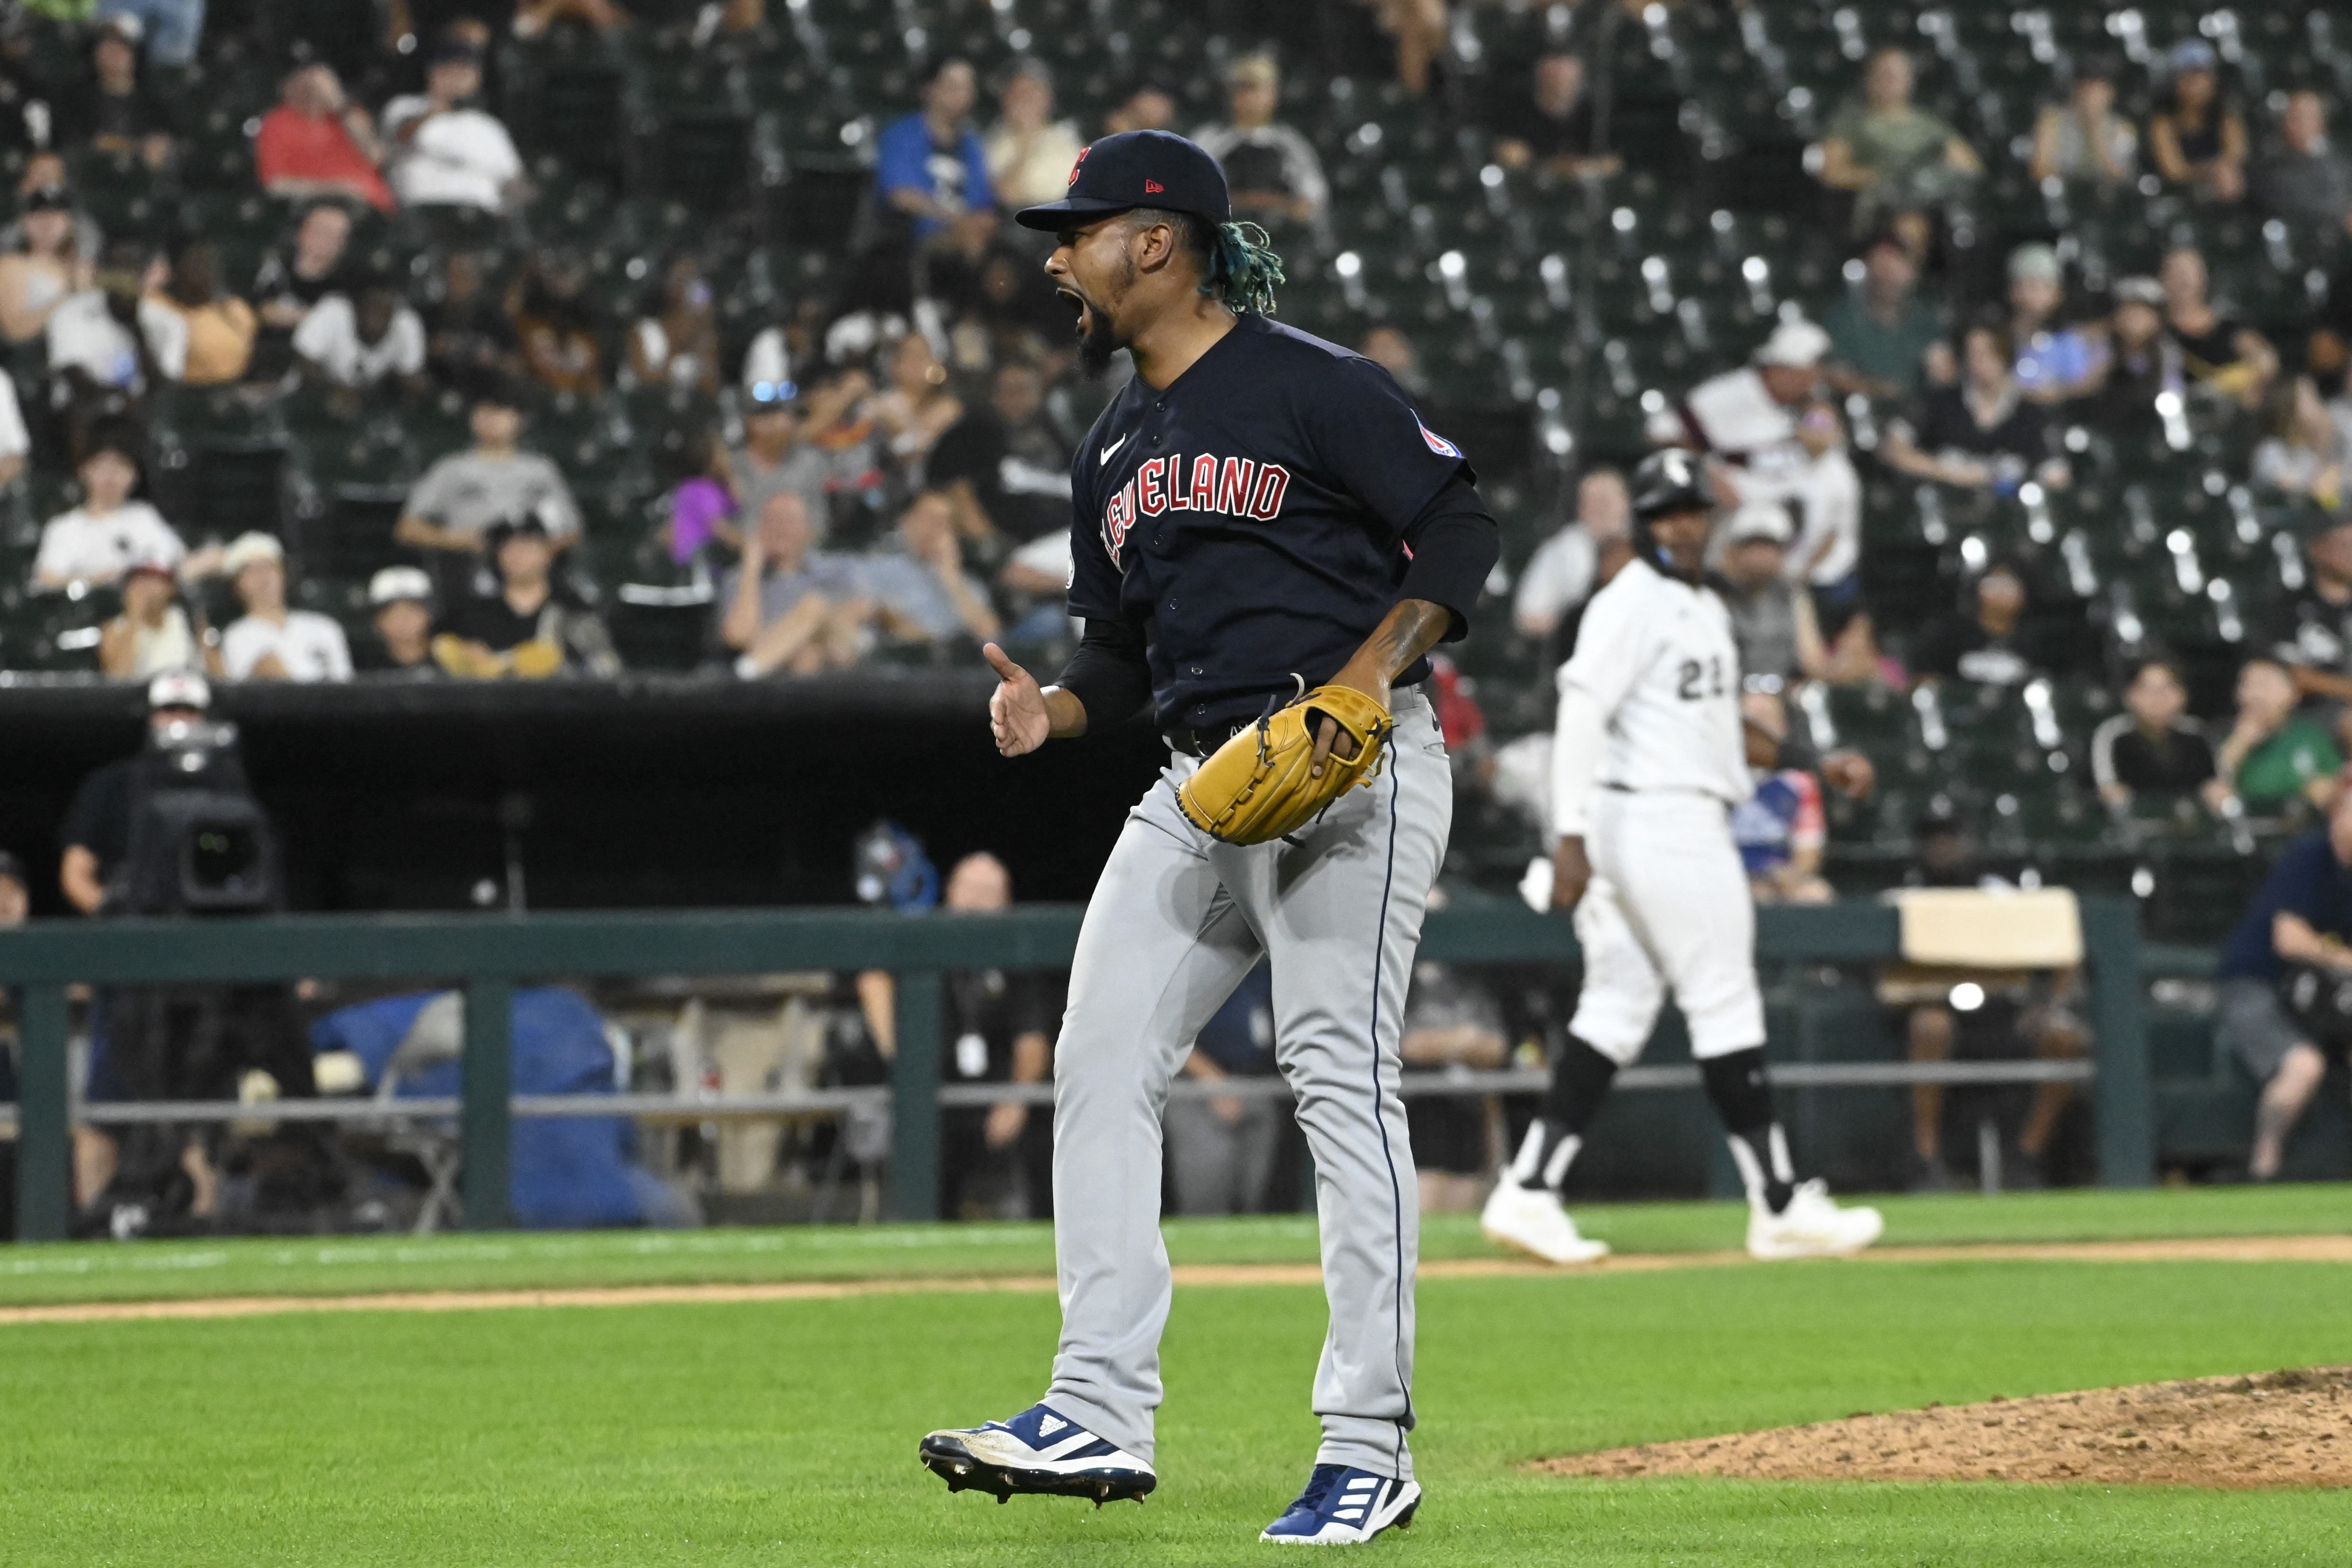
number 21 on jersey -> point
(1701, 679)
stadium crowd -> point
(395, 341)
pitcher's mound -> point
(2277, 1429)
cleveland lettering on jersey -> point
(1237, 487)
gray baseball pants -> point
(1176, 921)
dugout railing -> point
(484, 956)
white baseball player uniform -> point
(1669, 904)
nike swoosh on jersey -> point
(1104, 457)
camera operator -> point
(172, 831)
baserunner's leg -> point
(1341, 912)
(1162, 946)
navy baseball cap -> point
(1137, 169)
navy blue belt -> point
(1203, 740)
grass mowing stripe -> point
(785, 1433)
(163, 1270)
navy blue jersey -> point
(1249, 521)
(2308, 880)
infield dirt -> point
(2277, 1429)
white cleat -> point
(1530, 1220)
(1810, 1226)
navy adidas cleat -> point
(1039, 1450)
(1344, 1507)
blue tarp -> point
(567, 1171)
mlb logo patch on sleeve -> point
(1438, 443)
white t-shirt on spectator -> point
(1557, 578)
(76, 544)
(308, 645)
(329, 338)
(82, 334)
(1828, 494)
(14, 441)
(459, 158)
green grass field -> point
(784, 1432)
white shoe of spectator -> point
(1530, 1220)
(1810, 1226)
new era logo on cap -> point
(1153, 188)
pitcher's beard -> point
(1095, 344)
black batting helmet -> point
(1670, 481)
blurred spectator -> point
(1550, 125)
(96, 832)
(45, 169)
(1744, 417)
(931, 166)
(1390, 349)
(36, 279)
(838, 422)
(287, 286)
(109, 532)
(1880, 329)
(2309, 442)
(221, 327)
(1893, 154)
(2055, 362)
(2084, 139)
(171, 29)
(1151, 106)
(355, 346)
(467, 333)
(700, 509)
(2216, 352)
(531, 628)
(461, 496)
(1270, 167)
(15, 900)
(1994, 643)
(2306, 180)
(2273, 757)
(1567, 568)
(918, 408)
(1001, 467)
(270, 642)
(786, 607)
(1221, 1149)
(774, 459)
(152, 632)
(1771, 617)
(1980, 435)
(319, 145)
(1030, 153)
(1419, 29)
(2310, 630)
(2151, 749)
(2297, 924)
(993, 1164)
(16, 441)
(2143, 363)
(400, 603)
(110, 346)
(1452, 1023)
(921, 592)
(112, 108)
(532, 18)
(2196, 137)
(1781, 829)
(678, 345)
(555, 321)
(445, 151)
(1826, 556)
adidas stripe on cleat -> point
(1344, 1507)
(1038, 1451)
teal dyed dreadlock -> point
(1242, 270)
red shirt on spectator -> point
(296, 146)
